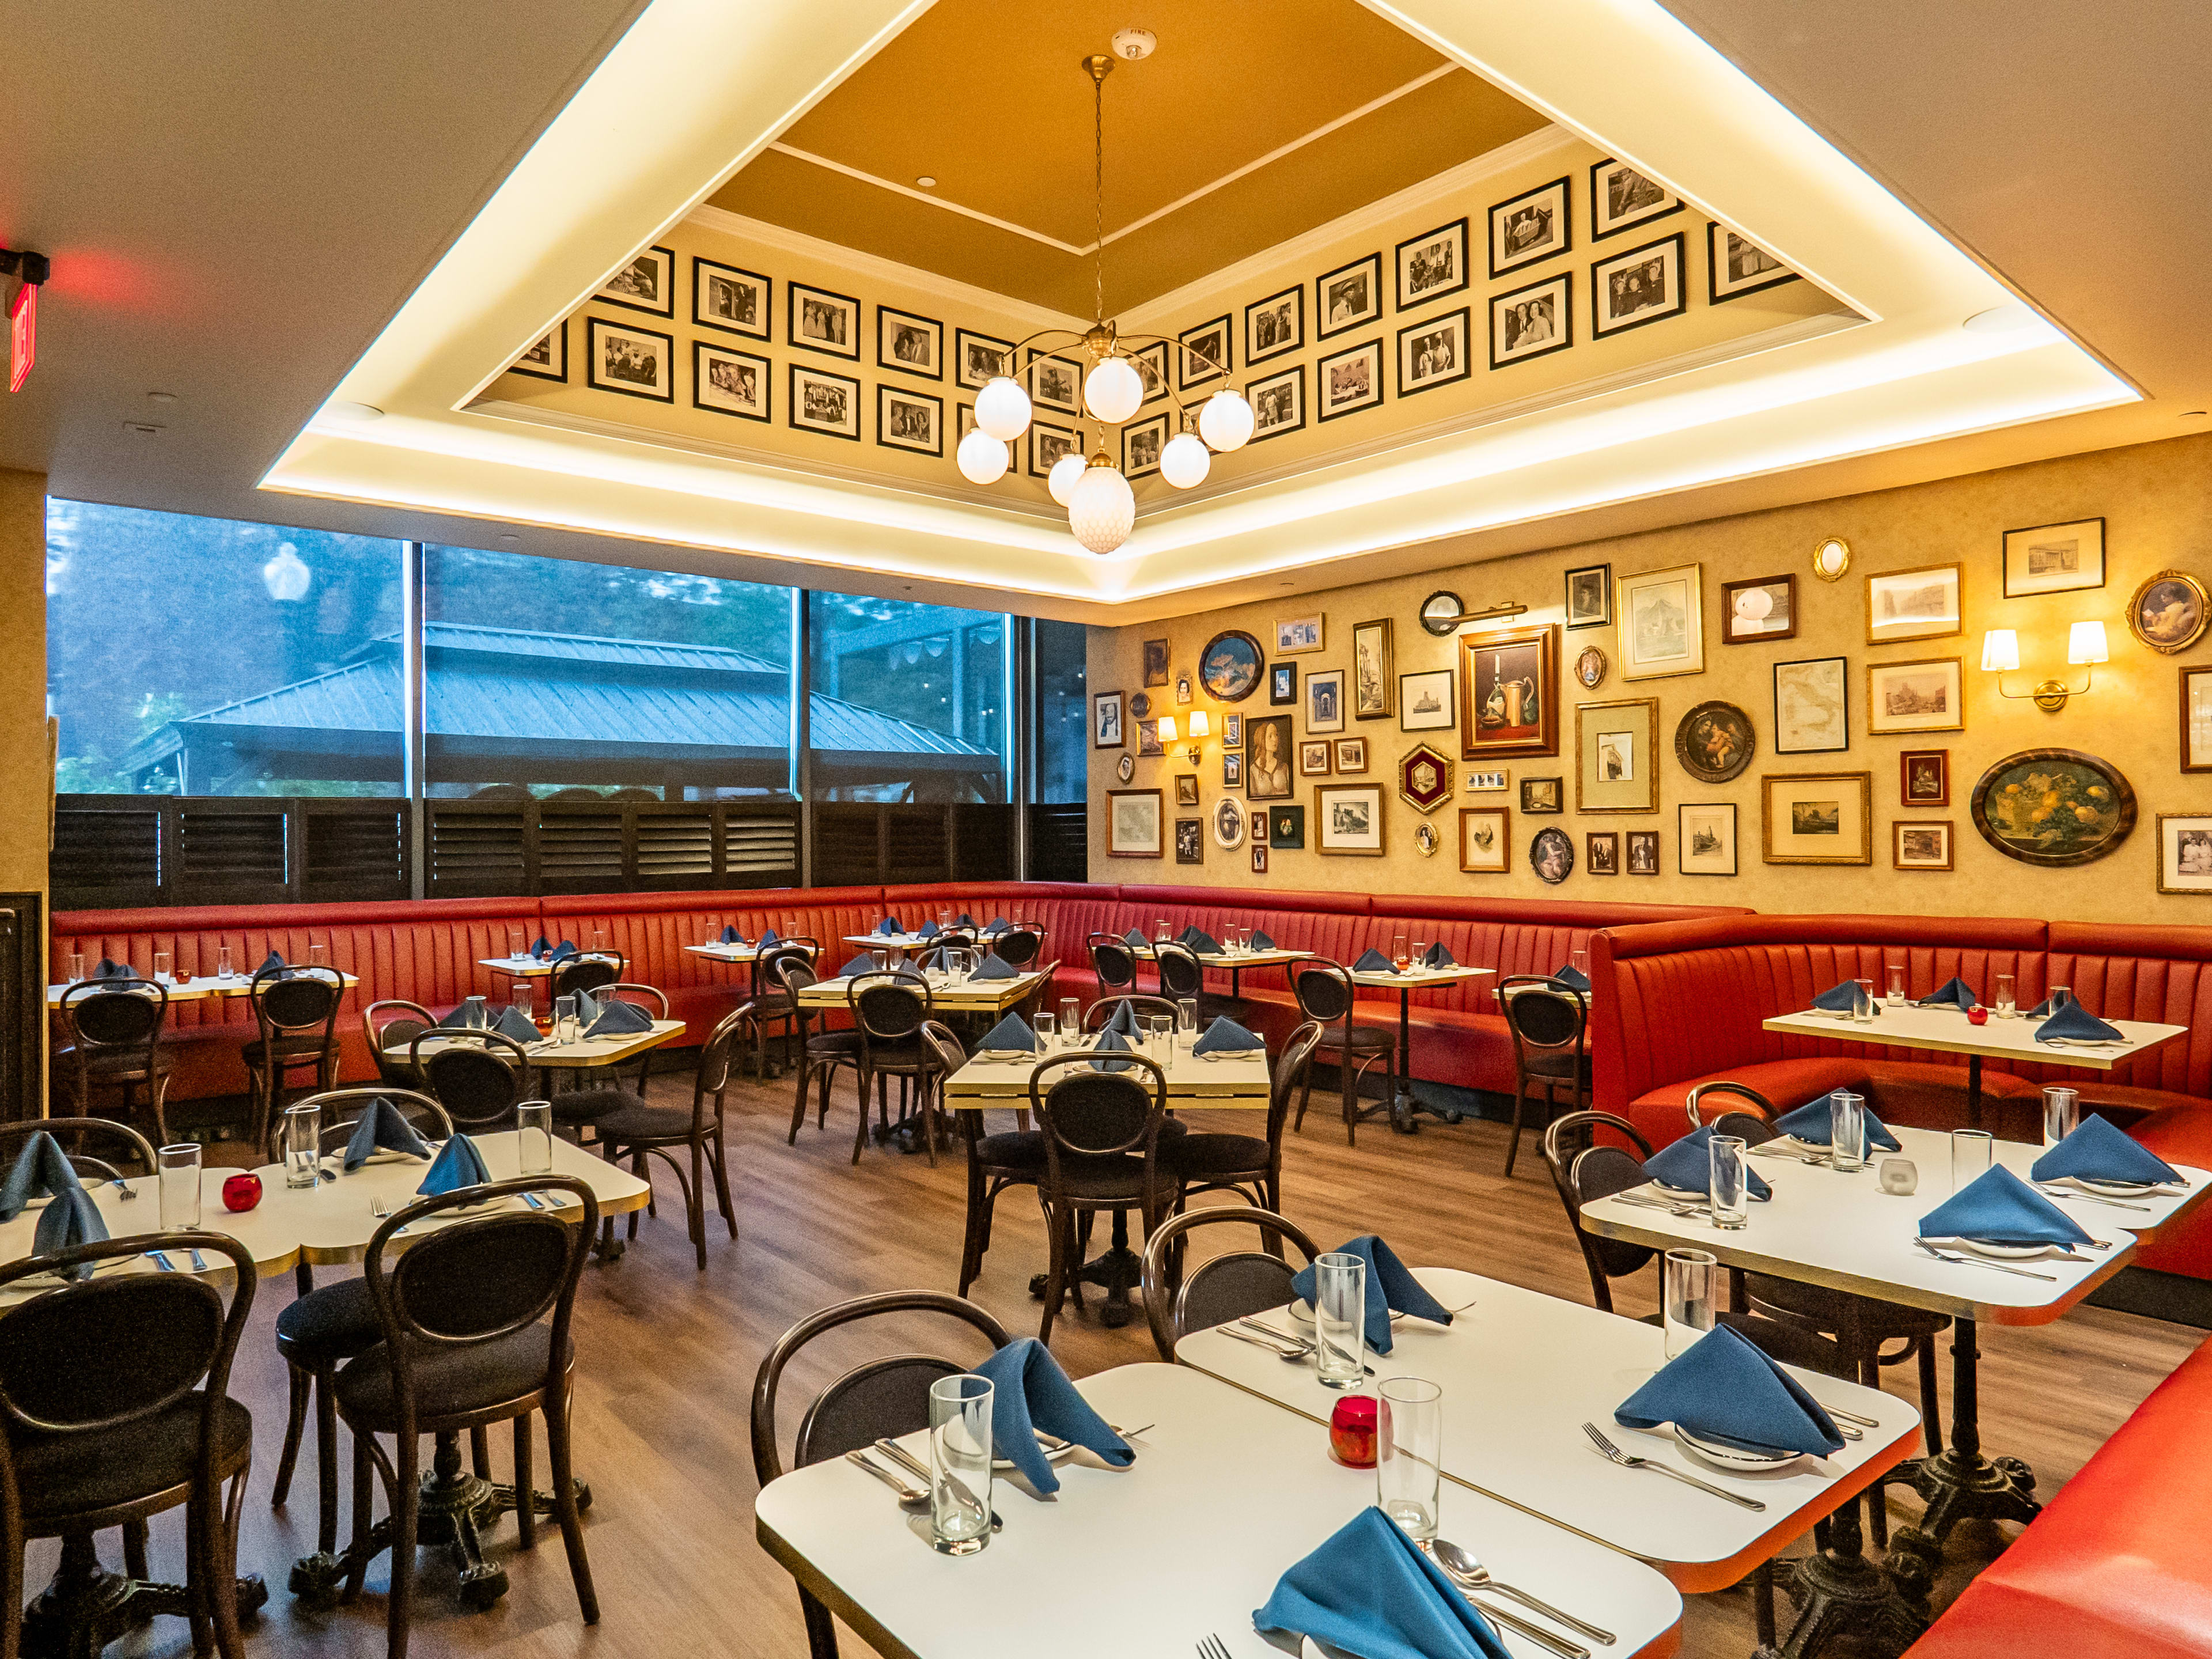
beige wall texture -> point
(25, 773)
(2156, 500)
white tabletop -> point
(917, 941)
(1228, 1493)
(583, 1052)
(1226, 960)
(1421, 979)
(522, 967)
(1231, 1081)
(1523, 1373)
(202, 985)
(740, 952)
(973, 994)
(1946, 1030)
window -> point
(910, 701)
(1063, 751)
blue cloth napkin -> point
(1438, 955)
(2076, 1023)
(71, 1219)
(995, 968)
(1029, 1391)
(1110, 1042)
(470, 1015)
(1723, 1388)
(888, 925)
(1686, 1165)
(730, 935)
(1133, 939)
(1572, 977)
(770, 936)
(1391, 1288)
(1998, 1207)
(1369, 1591)
(1261, 941)
(1012, 1032)
(563, 951)
(1226, 1036)
(2098, 1152)
(1815, 1124)
(587, 1008)
(929, 930)
(1838, 999)
(1124, 1020)
(1202, 943)
(992, 929)
(1372, 961)
(273, 963)
(513, 1022)
(967, 920)
(538, 947)
(40, 1171)
(863, 964)
(384, 1127)
(458, 1163)
(107, 969)
(619, 1018)
(1954, 993)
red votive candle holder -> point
(241, 1192)
(1351, 1430)
(1977, 1015)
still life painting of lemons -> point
(2054, 806)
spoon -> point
(1462, 1565)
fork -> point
(1613, 1454)
(1976, 1261)
(379, 1208)
(1212, 1649)
(2078, 1196)
(1668, 1206)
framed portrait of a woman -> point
(1269, 756)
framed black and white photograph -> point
(1190, 839)
(1055, 383)
(1349, 381)
(1433, 354)
(734, 300)
(1704, 839)
(1432, 265)
(1543, 794)
(1048, 443)
(1811, 706)
(1621, 199)
(1106, 720)
(638, 362)
(1348, 297)
(822, 402)
(1589, 596)
(1155, 662)
(1643, 285)
(1533, 321)
(1736, 265)
(2196, 719)
(1324, 701)
(647, 284)
(911, 344)
(1348, 819)
(1530, 228)
(1642, 852)
(1278, 403)
(1295, 635)
(2185, 852)
(1425, 702)
(1203, 354)
(979, 359)
(1601, 851)
(730, 382)
(1925, 695)
(1275, 324)
(1232, 772)
(822, 321)
(548, 360)
(1151, 364)
(1141, 443)
(909, 420)
(1186, 789)
(2054, 558)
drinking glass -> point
(476, 1014)
(1187, 1018)
(518, 942)
(1729, 1183)
(1398, 951)
(77, 967)
(1863, 1004)
(1409, 1444)
(177, 1169)
(1163, 1029)
(222, 960)
(303, 1146)
(1070, 1021)
(960, 1464)
(162, 963)
(1044, 1024)
(883, 960)
(943, 919)
(2060, 996)
(1420, 951)
(1971, 1151)
(318, 955)
(1896, 983)
(564, 1019)
(520, 998)
(1847, 1131)
(1581, 960)
(533, 1144)
(1339, 1321)
(2006, 1007)
(598, 941)
(2060, 1114)
(1686, 1309)
(1160, 934)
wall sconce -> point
(1200, 726)
(2085, 644)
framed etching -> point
(1924, 777)
(2054, 558)
(1705, 843)
(1485, 840)
(1663, 630)
(1374, 682)
(645, 283)
(1925, 696)
(1543, 795)
(1324, 701)
(1313, 758)
(1348, 297)
(1921, 603)
(1817, 818)
(1132, 823)
(1622, 198)
(1811, 706)
(1589, 596)
(1186, 789)
(1508, 692)
(1348, 819)
(1424, 701)
(1618, 745)
(1924, 846)
(1351, 755)
(1736, 265)
(1530, 228)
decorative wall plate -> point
(1229, 666)
(1425, 839)
(1715, 742)
(2053, 807)
(1228, 820)
(1590, 666)
(1424, 778)
(1440, 612)
(1141, 704)
(1551, 855)
(1126, 767)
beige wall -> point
(2156, 500)
(26, 776)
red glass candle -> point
(241, 1192)
(1351, 1432)
(1977, 1015)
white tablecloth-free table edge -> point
(1946, 1030)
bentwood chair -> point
(1547, 1023)
(1324, 992)
(98, 1148)
(1008, 1157)
(1020, 946)
(475, 1320)
(114, 1030)
(1251, 1166)
(1103, 1151)
(394, 1024)
(295, 1012)
(593, 971)
(574, 1105)
(477, 1076)
(1113, 963)
(633, 1127)
(1223, 1287)
(139, 1420)
(822, 1054)
(878, 1399)
(1144, 1008)
(890, 1007)
(774, 1006)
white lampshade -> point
(2086, 643)
(983, 459)
(1226, 422)
(1168, 729)
(1104, 510)
(1067, 473)
(1186, 460)
(1112, 390)
(1199, 725)
(2000, 650)
(1002, 408)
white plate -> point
(1006, 1054)
(1732, 1457)
(1055, 1458)
(2118, 1189)
(1999, 1252)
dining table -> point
(198, 988)
(571, 1054)
(966, 996)
(1404, 1108)
(1232, 963)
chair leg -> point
(134, 1549)
(525, 1512)
(198, 1613)
(480, 1452)
(925, 1091)
(326, 1466)
(295, 1422)
(405, 1494)
(694, 1202)
(1305, 1094)
(719, 1154)
(217, 1570)
(799, 1105)
(643, 1171)
(860, 1130)
(564, 1506)
(364, 1515)
(971, 1242)
(1350, 1076)
(1520, 1117)
(1061, 1232)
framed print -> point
(1618, 747)
(1642, 852)
(638, 362)
(1426, 840)
(1374, 682)
(1296, 634)
(1349, 381)
(1433, 354)
(1424, 778)
(1348, 297)
(1589, 668)
(1232, 731)
(1106, 720)
(1286, 825)
(1530, 228)
(1275, 324)
(1148, 739)
(1927, 695)
(979, 359)
(1811, 706)
(1663, 622)
(817, 320)
(1187, 789)
(1232, 771)
(1151, 362)
(1485, 840)
(1924, 777)
(1913, 605)
(1509, 689)
(1348, 819)
(1487, 783)
(1643, 285)
(908, 344)
(1259, 859)
(1551, 855)
(1313, 758)
(1621, 199)
(1278, 403)
(1817, 818)
(730, 382)
(909, 420)
(1132, 823)
(1704, 840)
(1183, 691)
(1714, 742)
(1055, 383)
(2054, 558)
(1425, 702)
(1533, 321)
(1155, 662)
(823, 403)
(1736, 265)
(1202, 354)
(1228, 667)
(1048, 443)
(548, 360)
(1191, 840)
(1126, 767)
(1141, 704)
(2196, 719)
(1543, 795)
(1925, 846)
(1268, 759)
(2054, 807)
(1432, 265)
(1282, 685)
(1228, 822)
(1351, 755)
(1765, 609)
(647, 284)
(1590, 597)
(1324, 701)
(2185, 852)
(2167, 612)
(1601, 851)
(734, 301)
(1141, 443)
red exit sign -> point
(22, 337)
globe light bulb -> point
(982, 457)
(1104, 510)
(1186, 460)
(1226, 422)
(1067, 473)
(1002, 408)
(1112, 390)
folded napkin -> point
(40, 1171)
(995, 968)
(107, 969)
(1391, 1288)
(619, 1018)
(587, 1008)
(1369, 1591)
(1261, 941)
(863, 964)
(1954, 993)
(563, 951)
(273, 963)
(71, 1219)
(1722, 1388)
(1029, 1392)
(1438, 955)
(1110, 1042)
(2042, 1009)
(1012, 1032)
(1572, 977)
(470, 1015)
(730, 935)
(1815, 1124)
(992, 929)
(1686, 1165)
(1188, 933)
(382, 1127)
(1133, 939)
(458, 1164)
(1201, 942)
(1372, 961)
(2098, 1152)
(1226, 1036)
(888, 925)
(967, 920)
(1124, 1021)
(2075, 1024)
(1838, 999)
(770, 936)
(929, 930)
(538, 947)
(1998, 1207)
(513, 1022)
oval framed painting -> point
(1715, 742)
(1551, 855)
(2168, 612)
(1229, 666)
(1228, 821)
(2053, 807)
(1589, 668)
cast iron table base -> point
(85, 1607)
(1403, 1106)
(1118, 1269)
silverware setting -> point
(379, 1208)
(1685, 1207)
(1212, 1649)
(161, 1260)
(125, 1189)
(1460, 1565)
(960, 1493)
(1977, 1261)
(2051, 1189)
(908, 1494)
(1513, 1621)
(1849, 1417)
(1287, 1348)
(1613, 1454)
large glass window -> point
(910, 701)
(1063, 714)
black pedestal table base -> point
(1403, 1106)
(1117, 1270)
(1839, 1592)
(85, 1607)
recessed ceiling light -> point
(927, 180)
(160, 397)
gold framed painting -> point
(1817, 818)
(1374, 680)
(1920, 604)
(2169, 611)
(1508, 692)
(1485, 840)
(1348, 819)
(1663, 622)
(1928, 694)
(1617, 746)
(1132, 823)
(1920, 845)
(2196, 719)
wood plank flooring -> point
(667, 1354)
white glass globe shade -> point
(1067, 473)
(1112, 390)
(1226, 422)
(1186, 460)
(1104, 510)
(1002, 408)
(982, 457)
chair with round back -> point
(774, 1006)
(1113, 963)
(1101, 1152)
(1546, 1021)
(890, 1007)
(114, 1031)
(1144, 1008)
(295, 1013)
(821, 1052)
(1009, 1158)
(1020, 946)
(477, 1076)
(1582, 1169)
(394, 1024)
(637, 1129)
(1223, 1287)
(1183, 979)
(97, 1148)
(1251, 1166)
(593, 970)
(879, 1399)
(1324, 992)
(653, 1001)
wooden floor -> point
(666, 1357)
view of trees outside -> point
(1063, 713)
(605, 601)
(929, 663)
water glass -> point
(518, 943)
(1896, 983)
(2060, 996)
(476, 1014)
(177, 1171)
(1070, 1021)
(77, 967)
(1163, 1029)
(303, 1146)
(163, 962)
(519, 999)
(1044, 1026)
(1863, 1004)
(598, 941)
(1160, 934)
(1409, 1445)
(1685, 1311)
(960, 1464)
(564, 1018)
(1398, 950)
(1580, 958)
(533, 1140)
(1729, 1183)
(222, 960)
(1847, 1131)
(1339, 1321)
(2061, 1114)
(318, 955)
(1971, 1151)
(2006, 1006)
(1420, 951)
(944, 919)
(1187, 1018)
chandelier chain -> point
(1098, 193)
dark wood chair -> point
(1183, 979)
(113, 1030)
(1250, 1166)
(593, 971)
(775, 1008)
(1324, 991)
(295, 1015)
(1113, 963)
(822, 1053)
(98, 1148)
(477, 1076)
(1021, 944)
(1101, 1152)
(1143, 1006)
(629, 1125)
(1547, 1023)
(1009, 1158)
(394, 1024)
(890, 1007)
(1223, 1287)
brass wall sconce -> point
(1200, 726)
(1831, 558)
(2085, 644)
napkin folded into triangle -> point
(1368, 1590)
(995, 968)
(1953, 992)
(2098, 1152)
(458, 1163)
(1438, 955)
(1011, 1033)
(1029, 1392)
(1110, 1042)
(619, 1018)
(1998, 1207)
(1723, 1388)
(41, 1169)
(1838, 999)
(1815, 1124)
(107, 969)
(1391, 1288)
(383, 1127)
(1133, 939)
(1372, 961)
(2075, 1024)
(1261, 941)
(730, 935)
(1572, 977)
(1226, 1036)
(1686, 1165)
(469, 1015)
